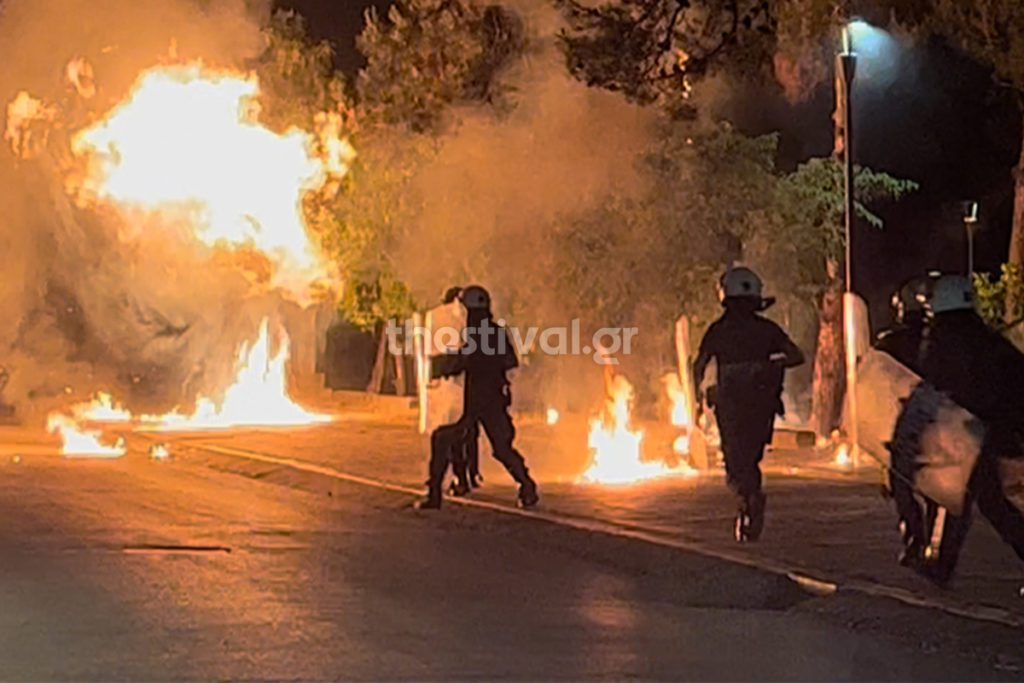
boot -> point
(431, 502)
(528, 496)
(741, 527)
(459, 488)
(756, 506)
(428, 503)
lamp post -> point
(846, 69)
(971, 226)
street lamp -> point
(846, 69)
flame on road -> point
(186, 145)
(259, 395)
(616, 446)
(77, 441)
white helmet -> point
(952, 293)
(740, 282)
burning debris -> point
(616, 445)
(258, 396)
(177, 192)
(79, 442)
(27, 126)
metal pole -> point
(970, 251)
(847, 65)
(970, 225)
(847, 70)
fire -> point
(552, 416)
(843, 458)
(616, 446)
(681, 404)
(77, 441)
(259, 395)
(101, 409)
(27, 124)
(186, 146)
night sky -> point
(938, 120)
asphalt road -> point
(190, 569)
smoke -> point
(502, 184)
(153, 320)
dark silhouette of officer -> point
(904, 341)
(484, 359)
(983, 372)
(752, 354)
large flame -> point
(258, 397)
(186, 144)
(616, 446)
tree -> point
(657, 51)
(801, 246)
(654, 50)
(297, 76)
(429, 55)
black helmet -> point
(476, 297)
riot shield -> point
(441, 400)
(939, 442)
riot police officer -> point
(904, 342)
(485, 359)
(751, 354)
(982, 372)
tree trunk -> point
(829, 366)
(376, 385)
(401, 389)
(1016, 255)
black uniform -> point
(485, 359)
(905, 343)
(751, 353)
(983, 373)
(465, 458)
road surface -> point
(209, 566)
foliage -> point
(428, 55)
(654, 50)
(812, 212)
(993, 295)
(659, 254)
(361, 222)
(297, 75)
(299, 85)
